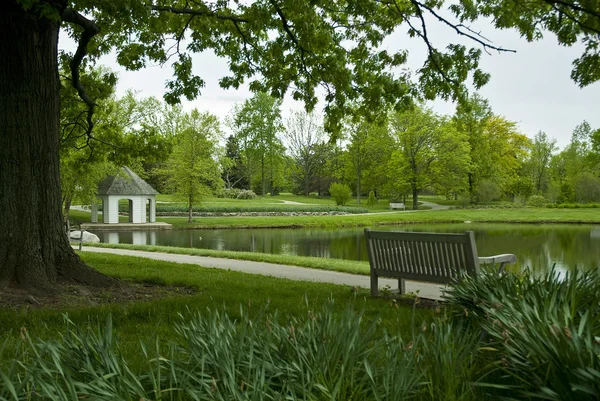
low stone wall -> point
(233, 214)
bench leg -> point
(374, 285)
(401, 286)
(502, 267)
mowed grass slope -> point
(152, 321)
(499, 215)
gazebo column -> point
(105, 209)
(142, 203)
(138, 209)
(94, 212)
(152, 210)
(113, 210)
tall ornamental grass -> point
(510, 337)
(320, 356)
(541, 331)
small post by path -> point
(80, 238)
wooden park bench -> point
(397, 206)
(431, 257)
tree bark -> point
(471, 189)
(358, 177)
(34, 248)
(415, 194)
(67, 209)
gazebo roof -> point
(126, 182)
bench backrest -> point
(400, 204)
(432, 257)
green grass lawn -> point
(339, 265)
(498, 215)
(260, 200)
(510, 215)
(221, 289)
(80, 216)
(280, 200)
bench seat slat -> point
(414, 276)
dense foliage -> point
(474, 155)
(340, 193)
(191, 172)
(285, 47)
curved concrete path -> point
(425, 290)
(434, 206)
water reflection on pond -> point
(537, 246)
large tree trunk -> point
(34, 248)
(358, 177)
(415, 194)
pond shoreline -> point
(506, 216)
(248, 214)
(197, 226)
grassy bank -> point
(523, 215)
(509, 215)
(339, 265)
(216, 288)
(282, 199)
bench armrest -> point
(503, 260)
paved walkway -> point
(434, 206)
(425, 290)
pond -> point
(536, 246)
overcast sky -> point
(532, 87)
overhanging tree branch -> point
(303, 51)
(90, 29)
(202, 13)
(574, 6)
(562, 12)
(476, 37)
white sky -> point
(532, 87)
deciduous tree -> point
(428, 151)
(304, 138)
(192, 171)
(281, 46)
(539, 161)
(232, 164)
(257, 126)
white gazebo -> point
(125, 185)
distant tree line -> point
(474, 155)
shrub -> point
(464, 201)
(231, 193)
(537, 201)
(519, 200)
(340, 193)
(372, 201)
(487, 191)
(572, 205)
(246, 194)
